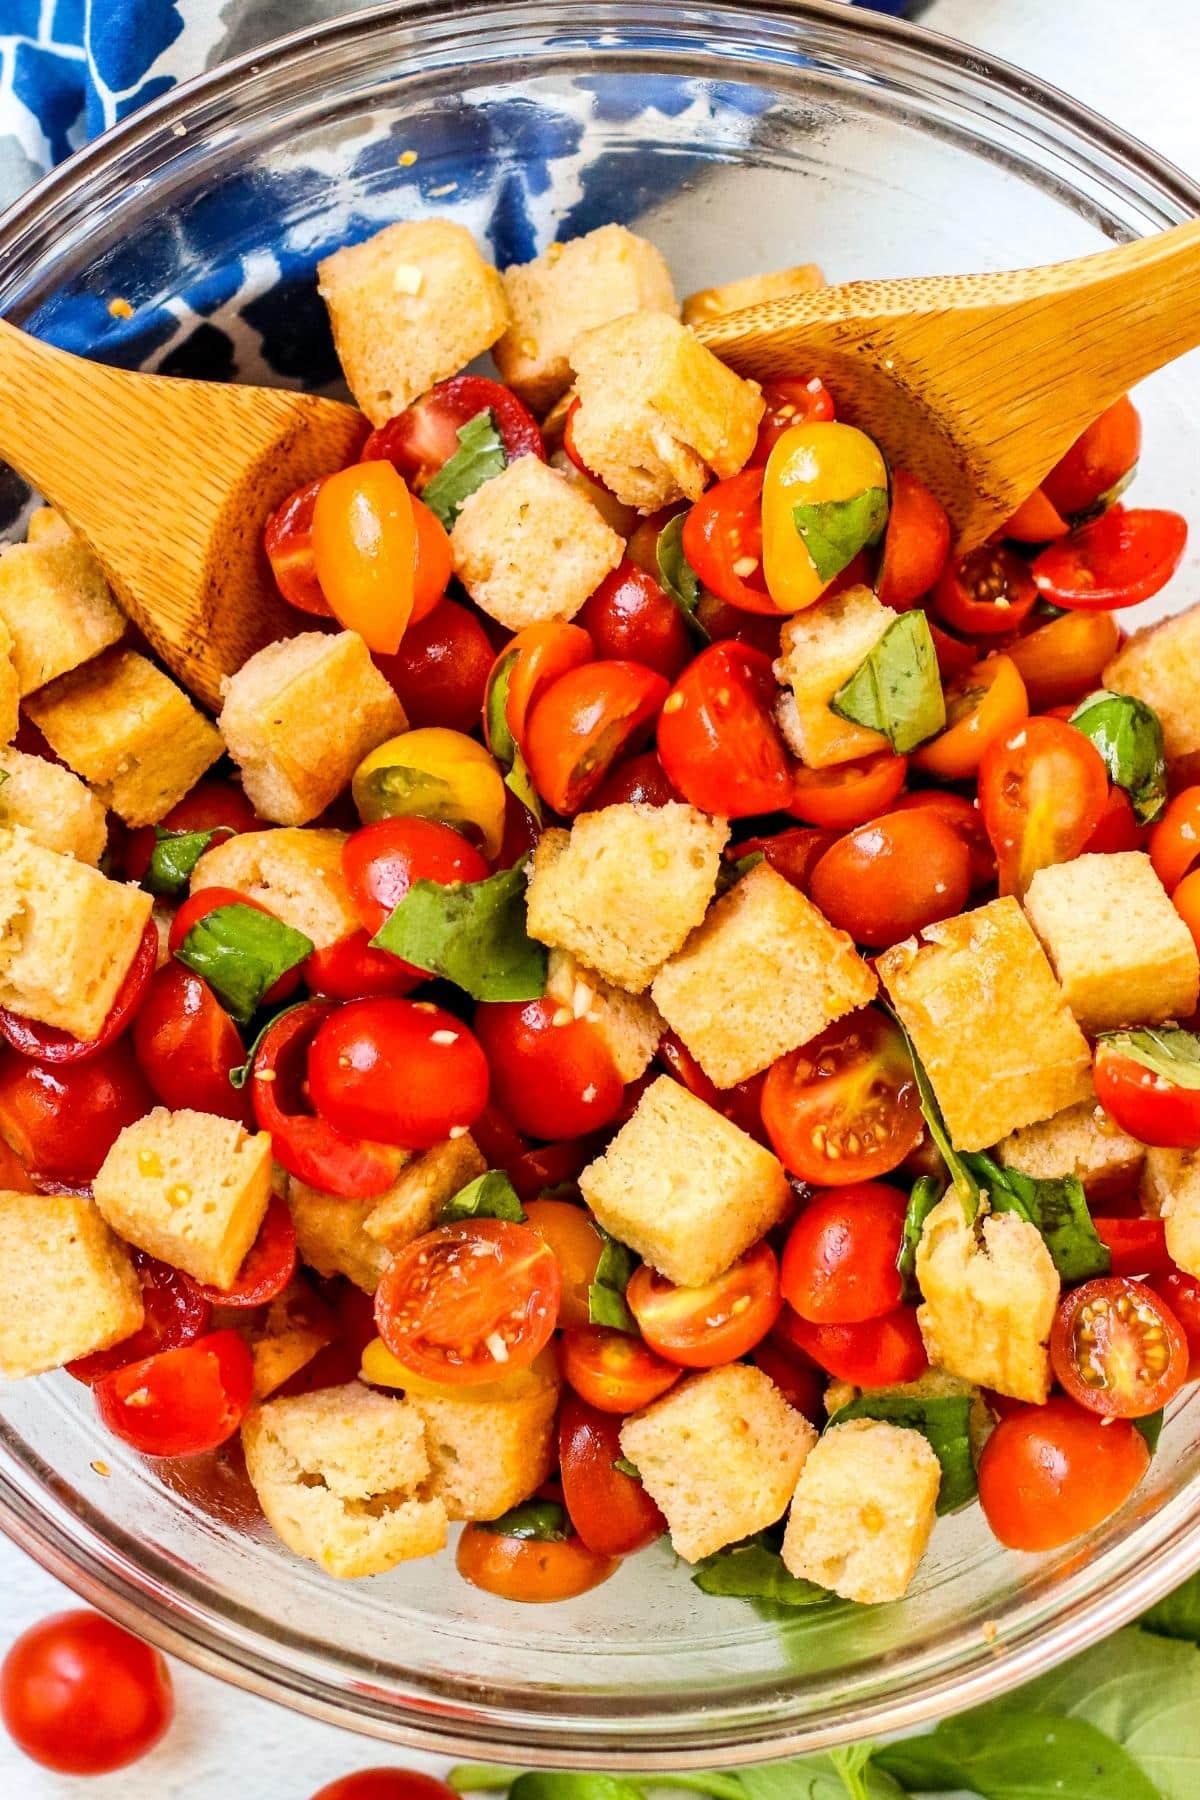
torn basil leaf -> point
(241, 953)
(489, 1196)
(480, 456)
(1128, 735)
(556, 1786)
(1164, 1050)
(1057, 1208)
(676, 576)
(545, 1521)
(897, 689)
(1150, 1425)
(943, 1419)
(502, 743)
(730, 873)
(926, 1193)
(964, 1181)
(174, 858)
(834, 531)
(472, 933)
(623, 1466)
(606, 1294)
(754, 1570)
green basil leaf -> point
(3, 776)
(927, 1191)
(1150, 1425)
(543, 1785)
(489, 1196)
(676, 576)
(607, 1307)
(240, 1074)
(175, 856)
(731, 872)
(964, 1181)
(1057, 1207)
(1164, 1050)
(503, 744)
(481, 1778)
(1178, 1615)
(1129, 738)
(519, 781)
(841, 1775)
(754, 1571)
(897, 689)
(472, 933)
(1025, 1756)
(944, 1420)
(480, 456)
(616, 1265)
(241, 953)
(545, 1521)
(623, 1466)
(834, 531)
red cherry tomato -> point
(554, 1077)
(532, 662)
(572, 449)
(46, 1044)
(63, 1120)
(1100, 457)
(84, 1696)
(211, 803)
(893, 876)
(1182, 1295)
(352, 970)
(717, 739)
(397, 1071)
(848, 794)
(844, 1108)
(917, 542)
(529, 1570)
(722, 540)
(875, 1353)
(1136, 1246)
(741, 1104)
(180, 1402)
(1146, 1105)
(611, 1511)
(705, 1326)
(797, 1377)
(963, 815)
(1063, 660)
(732, 624)
(794, 854)
(1175, 840)
(467, 1303)
(954, 654)
(1036, 521)
(207, 900)
(381, 862)
(1121, 558)
(1117, 828)
(614, 1372)
(186, 1044)
(791, 400)
(839, 1266)
(287, 540)
(425, 435)
(630, 618)
(268, 1265)
(1050, 1473)
(1043, 790)
(385, 1784)
(176, 1313)
(441, 668)
(640, 779)
(983, 703)
(1117, 1348)
(583, 723)
(988, 591)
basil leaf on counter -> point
(1178, 1615)
(489, 1196)
(544, 1521)
(555, 1786)
(754, 1570)
(1057, 1207)
(1129, 738)
(480, 456)
(606, 1294)
(472, 933)
(1025, 1757)
(942, 1419)
(897, 689)
(834, 531)
(241, 953)
(502, 743)
(175, 856)
(927, 1191)
(676, 576)
(1165, 1050)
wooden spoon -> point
(978, 384)
(170, 481)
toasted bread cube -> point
(189, 1188)
(623, 519)
(658, 412)
(294, 872)
(47, 527)
(1122, 954)
(934, 1384)
(1171, 1191)
(989, 1021)
(821, 649)
(765, 972)
(57, 605)
(67, 1285)
(629, 1025)
(284, 1340)
(528, 546)
(990, 1292)
(67, 935)
(411, 305)
(720, 1455)
(418, 1194)
(491, 1447)
(341, 1476)
(299, 717)
(622, 889)
(330, 1238)
(863, 1510)
(684, 1187)
(1082, 1141)
(568, 290)
(129, 731)
(10, 687)
(750, 290)
(1161, 665)
(53, 806)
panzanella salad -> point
(666, 1007)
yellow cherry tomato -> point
(811, 465)
(382, 1369)
(364, 540)
(434, 773)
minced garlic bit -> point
(407, 280)
(443, 1038)
(439, 193)
(102, 1469)
(497, 1348)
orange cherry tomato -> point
(614, 1372)
(788, 401)
(717, 738)
(611, 1511)
(1036, 521)
(953, 654)
(916, 545)
(533, 1570)
(583, 723)
(1100, 457)
(963, 815)
(1121, 558)
(364, 537)
(1043, 790)
(705, 1326)
(1175, 840)
(982, 704)
(839, 1265)
(722, 539)
(1050, 1473)
(577, 1247)
(987, 592)
(874, 1353)
(844, 1108)
(1186, 900)
(1063, 660)
(432, 565)
(535, 659)
(893, 876)
(1117, 1348)
(849, 793)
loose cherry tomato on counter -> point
(186, 1044)
(1145, 1104)
(583, 723)
(552, 1074)
(717, 739)
(176, 1313)
(614, 1372)
(397, 1071)
(578, 1246)
(82, 1695)
(530, 664)
(1050, 1473)
(794, 853)
(1136, 1246)
(611, 1511)
(62, 1120)
(797, 1377)
(982, 704)
(640, 780)
(1182, 1295)
(364, 539)
(268, 1265)
(441, 668)
(722, 540)
(287, 540)
(987, 592)
(893, 876)
(1036, 521)
(352, 970)
(381, 862)
(849, 793)
(420, 439)
(629, 618)
(385, 1784)
(916, 545)
(964, 816)
(1063, 660)
(211, 803)
(839, 1265)
(47, 1044)
(1117, 827)
(1117, 1348)
(703, 1327)
(876, 1353)
(790, 400)
(844, 1108)
(533, 1570)
(1175, 840)
(741, 1104)
(1100, 458)
(466, 1303)
(180, 1402)
(1123, 557)
(816, 464)
(1043, 789)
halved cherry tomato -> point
(816, 463)
(545, 1166)
(209, 899)
(741, 1104)
(954, 654)
(717, 739)
(1116, 828)
(397, 1071)
(584, 722)
(794, 854)
(364, 540)
(986, 592)
(425, 435)
(15, 1178)
(1186, 897)
(1100, 457)
(381, 862)
(81, 1695)
(287, 540)
(440, 671)
(1117, 1348)
(577, 1244)
(385, 1784)
(47, 1044)
(176, 1313)
(267, 1266)
(531, 1570)
(611, 1511)
(1049, 1473)
(211, 803)
(916, 545)
(1136, 1246)
(963, 815)
(571, 449)
(703, 1327)
(466, 1303)
(640, 779)
(797, 1377)
(893, 876)
(1036, 521)
(630, 618)
(732, 624)
(1146, 1105)
(352, 970)
(642, 547)
(187, 1044)
(1121, 558)
(1175, 840)
(1062, 660)
(788, 401)
(844, 1108)
(1043, 790)
(533, 661)
(875, 1353)
(1182, 1295)
(982, 704)
(63, 1119)
(552, 1074)
(839, 1265)
(722, 539)
(615, 1372)
(849, 793)
(180, 1402)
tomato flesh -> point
(1118, 1349)
(180, 1402)
(420, 439)
(1064, 659)
(983, 703)
(705, 1326)
(742, 1104)
(722, 540)
(1043, 789)
(844, 1108)
(611, 1511)
(848, 794)
(268, 1265)
(364, 539)
(1182, 1295)
(1136, 1246)
(1049, 1473)
(81, 1695)
(717, 739)
(176, 1313)
(788, 401)
(1121, 558)
(989, 591)
(584, 722)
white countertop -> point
(1122, 58)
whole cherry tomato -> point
(385, 1784)
(733, 624)
(584, 722)
(916, 544)
(717, 739)
(1144, 1103)
(844, 1108)
(954, 654)
(964, 816)
(839, 1266)
(875, 1353)
(62, 1120)
(352, 970)
(211, 803)
(630, 618)
(187, 1045)
(640, 780)
(1116, 828)
(797, 1377)
(578, 1246)
(788, 401)
(893, 876)
(1064, 659)
(1049, 1473)
(1182, 1295)
(82, 1695)
(267, 1266)
(703, 1327)
(425, 435)
(722, 540)
(180, 1402)
(364, 539)
(1117, 1348)
(849, 793)
(397, 1072)
(614, 1372)
(176, 1312)
(531, 1570)
(1036, 521)
(441, 668)
(740, 1104)
(1043, 790)
(381, 862)
(987, 592)
(611, 1511)
(1100, 458)
(1175, 840)
(1121, 558)
(46, 1044)
(984, 703)
(794, 854)
(553, 1076)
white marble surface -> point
(1136, 63)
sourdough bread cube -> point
(493, 1446)
(1122, 954)
(1082, 1141)
(67, 935)
(188, 1188)
(67, 1285)
(330, 1235)
(720, 1456)
(990, 1294)
(286, 1337)
(750, 290)
(528, 546)
(1171, 1191)
(53, 806)
(299, 717)
(341, 1475)
(629, 1025)
(657, 412)
(684, 1187)
(624, 887)
(418, 1194)
(568, 290)
(133, 735)
(863, 1510)
(57, 605)
(409, 306)
(623, 519)
(10, 688)
(1161, 665)
(47, 527)
(989, 1021)
(821, 648)
(765, 972)
(297, 873)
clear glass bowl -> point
(738, 137)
